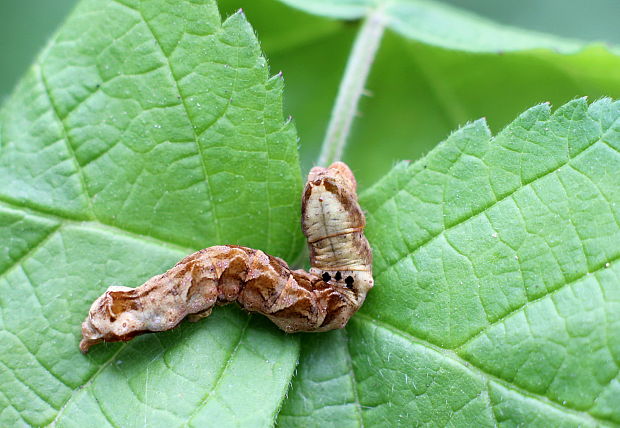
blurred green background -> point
(420, 92)
(27, 24)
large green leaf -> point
(497, 297)
(144, 131)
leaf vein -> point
(68, 144)
(601, 266)
(221, 373)
(478, 372)
(36, 246)
(29, 387)
(173, 77)
(357, 404)
(84, 388)
(480, 211)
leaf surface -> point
(497, 296)
(143, 132)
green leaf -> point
(439, 24)
(144, 131)
(497, 296)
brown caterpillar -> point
(320, 300)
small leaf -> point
(144, 131)
(497, 296)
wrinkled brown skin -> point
(294, 300)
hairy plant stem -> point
(352, 87)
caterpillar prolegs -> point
(319, 300)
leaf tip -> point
(602, 104)
(402, 164)
(482, 125)
(543, 108)
(276, 82)
(239, 20)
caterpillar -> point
(322, 299)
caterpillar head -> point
(358, 281)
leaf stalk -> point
(352, 86)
